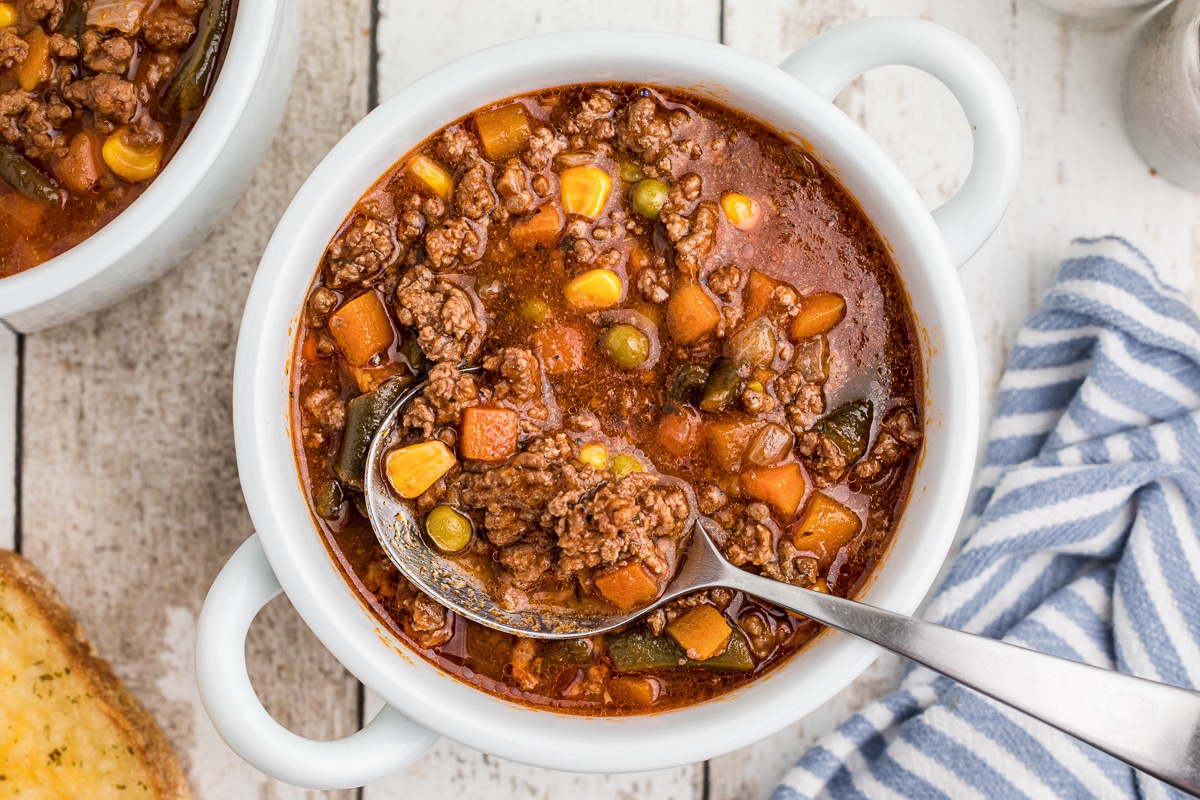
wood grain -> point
(131, 494)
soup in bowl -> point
(683, 283)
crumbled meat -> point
(621, 521)
(803, 402)
(167, 28)
(429, 621)
(513, 188)
(473, 196)
(327, 409)
(757, 402)
(145, 133)
(521, 664)
(442, 401)
(455, 146)
(712, 499)
(543, 146)
(106, 95)
(49, 10)
(527, 561)
(825, 461)
(520, 374)
(598, 105)
(681, 196)
(792, 567)
(442, 314)
(191, 7)
(320, 305)
(654, 284)
(763, 636)
(13, 49)
(453, 240)
(898, 435)
(701, 235)
(359, 256)
(62, 47)
(753, 541)
(111, 54)
(643, 129)
(725, 281)
(32, 122)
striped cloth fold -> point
(1082, 543)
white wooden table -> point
(117, 470)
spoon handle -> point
(1149, 725)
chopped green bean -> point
(638, 651)
(190, 84)
(687, 384)
(848, 426)
(328, 500)
(364, 415)
(723, 387)
(26, 179)
(74, 22)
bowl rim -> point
(247, 56)
(271, 479)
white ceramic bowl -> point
(424, 701)
(198, 186)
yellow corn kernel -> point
(594, 289)
(585, 191)
(820, 586)
(742, 212)
(595, 454)
(413, 469)
(430, 173)
(134, 164)
(756, 385)
(8, 15)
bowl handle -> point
(388, 743)
(828, 62)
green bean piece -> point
(687, 384)
(190, 84)
(570, 651)
(626, 346)
(623, 465)
(364, 415)
(449, 530)
(723, 387)
(28, 181)
(415, 356)
(638, 651)
(328, 500)
(648, 196)
(74, 22)
(848, 426)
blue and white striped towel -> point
(1083, 544)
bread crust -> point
(31, 594)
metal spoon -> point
(1149, 725)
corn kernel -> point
(594, 289)
(8, 15)
(430, 173)
(595, 454)
(134, 164)
(820, 586)
(585, 191)
(413, 469)
(742, 212)
(755, 385)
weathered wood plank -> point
(415, 38)
(131, 494)
(8, 437)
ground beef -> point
(825, 461)
(527, 561)
(899, 435)
(598, 105)
(521, 666)
(712, 499)
(620, 523)
(327, 408)
(654, 284)
(683, 194)
(455, 146)
(513, 188)
(453, 240)
(428, 621)
(49, 10)
(792, 567)
(442, 401)
(105, 95)
(159, 67)
(167, 28)
(543, 146)
(13, 49)
(803, 402)
(520, 374)
(111, 54)
(725, 281)
(701, 236)
(359, 256)
(764, 636)
(644, 129)
(441, 313)
(473, 196)
(753, 541)
(33, 123)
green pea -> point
(626, 346)
(631, 172)
(535, 311)
(624, 465)
(648, 197)
(449, 530)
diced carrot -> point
(488, 434)
(361, 328)
(826, 527)
(728, 440)
(25, 214)
(679, 432)
(701, 632)
(634, 690)
(37, 67)
(309, 349)
(691, 313)
(782, 487)
(627, 587)
(540, 230)
(760, 290)
(504, 131)
(819, 313)
(83, 165)
(560, 348)
(370, 378)
(413, 469)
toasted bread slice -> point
(68, 727)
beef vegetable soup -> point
(667, 309)
(95, 97)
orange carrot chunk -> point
(560, 348)
(782, 487)
(504, 131)
(729, 440)
(701, 632)
(488, 434)
(819, 313)
(540, 230)
(760, 290)
(627, 587)
(361, 328)
(634, 690)
(691, 313)
(826, 527)
(679, 432)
